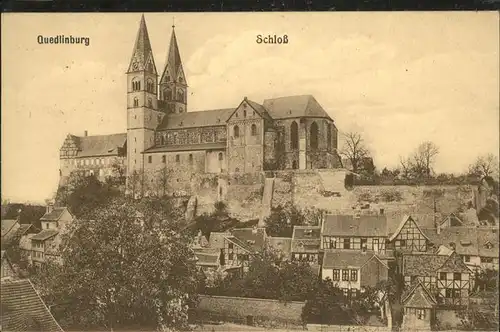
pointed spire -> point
(142, 56)
(173, 67)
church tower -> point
(173, 85)
(143, 115)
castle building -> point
(292, 132)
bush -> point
(391, 195)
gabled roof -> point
(418, 297)
(294, 107)
(55, 214)
(454, 263)
(207, 118)
(99, 145)
(23, 309)
(216, 239)
(340, 259)
(348, 225)
(422, 264)
(403, 222)
(142, 52)
(261, 111)
(306, 239)
(453, 217)
(254, 237)
(45, 234)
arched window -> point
(294, 136)
(329, 136)
(180, 95)
(254, 130)
(221, 156)
(136, 84)
(149, 85)
(150, 103)
(236, 131)
(177, 158)
(136, 102)
(190, 158)
(313, 132)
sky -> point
(397, 78)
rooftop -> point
(349, 225)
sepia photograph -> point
(250, 171)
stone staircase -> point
(267, 198)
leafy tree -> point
(84, 193)
(284, 218)
(124, 264)
(325, 305)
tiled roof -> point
(142, 49)
(216, 239)
(243, 245)
(338, 259)
(23, 309)
(187, 147)
(99, 145)
(418, 297)
(283, 244)
(306, 239)
(425, 264)
(454, 263)
(255, 238)
(196, 119)
(207, 257)
(294, 107)
(54, 215)
(348, 225)
(8, 226)
(174, 62)
(45, 234)
(467, 240)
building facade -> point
(292, 132)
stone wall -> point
(197, 135)
(345, 328)
(259, 309)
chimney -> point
(85, 133)
(50, 207)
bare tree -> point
(354, 149)
(425, 157)
(486, 165)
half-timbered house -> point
(409, 237)
(306, 244)
(418, 308)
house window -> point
(221, 156)
(336, 275)
(457, 276)
(345, 291)
(363, 243)
(254, 130)
(190, 158)
(442, 275)
(230, 245)
(457, 293)
(403, 243)
(164, 159)
(244, 113)
(177, 158)
(236, 132)
(136, 102)
(448, 293)
(230, 256)
(486, 260)
(150, 159)
(466, 259)
(420, 314)
(345, 275)
(354, 275)
(354, 292)
(347, 243)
